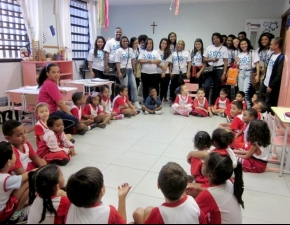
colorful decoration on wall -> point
(176, 7)
(103, 14)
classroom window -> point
(13, 34)
(79, 29)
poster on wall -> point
(255, 27)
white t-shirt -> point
(220, 53)
(112, 46)
(264, 56)
(270, 69)
(197, 59)
(163, 61)
(230, 56)
(98, 61)
(265, 151)
(182, 60)
(245, 60)
(146, 55)
(123, 56)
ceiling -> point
(152, 2)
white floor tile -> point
(148, 186)
(149, 147)
(177, 151)
(141, 125)
(266, 182)
(94, 136)
(119, 143)
(165, 137)
(164, 160)
(131, 133)
(265, 206)
(81, 148)
(136, 160)
(247, 220)
(111, 196)
(116, 175)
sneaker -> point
(102, 125)
(81, 132)
(24, 215)
(128, 115)
(137, 105)
(119, 117)
(145, 112)
(72, 141)
(94, 125)
(158, 112)
(138, 111)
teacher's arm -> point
(63, 107)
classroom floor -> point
(134, 150)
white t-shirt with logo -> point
(112, 46)
(149, 55)
(124, 55)
(220, 53)
(264, 56)
(230, 56)
(163, 61)
(270, 69)
(197, 59)
(98, 61)
(245, 60)
(180, 59)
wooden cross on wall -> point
(153, 26)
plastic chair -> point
(192, 88)
(15, 98)
(30, 101)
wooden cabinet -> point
(32, 69)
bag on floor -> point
(232, 76)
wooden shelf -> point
(30, 70)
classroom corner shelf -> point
(32, 69)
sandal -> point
(102, 125)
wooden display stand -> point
(32, 69)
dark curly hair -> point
(259, 133)
(202, 140)
(222, 138)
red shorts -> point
(11, 206)
(254, 165)
(117, 111)
(196, 112)
(61, 155)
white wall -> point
(194, 20)
(286, 6)
(10, 76)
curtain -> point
(63, 27)
(93, 21)
(33, 20)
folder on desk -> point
(99, 80)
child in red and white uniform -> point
(221, 103)
(178, 207)
(106, 103)
(26, 159)
(55, 147)
(261, 107)
(221, 140)
(202, 142)
(97, 111)
(42, 111)
(183, 102)
(46, 190)
(200, 105)
(221, 202)
(255, 159)
(241, 140)
(121, 104)
(240, 96)
(86, 199)
(13, 189)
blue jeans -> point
(215, 78)
(69, 121)
(130, 78)
(244, 83)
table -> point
(83, 83)
(279, 113)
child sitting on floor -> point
(13, 189)
(95, 110)
(26, 158)
(255, 159)
(86, 122)
(121, 103)
(221, 103)
(178, 207)
(200, 105)
(152, 104)
(50, 205)
(261, 107)
(106, 103)
(42, 112)
(240, 96)
(55, 147)
(222, 201)
(85, 190)
(202, 142)
(183, 102)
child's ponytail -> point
(239, 183)
(31, 182)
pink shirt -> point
(50, 94)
